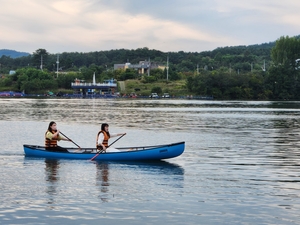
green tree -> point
(283, 76)
(286, 52)
(64, 81)
(6, 83)
(40, 57)
(157, 90)
(31, 80)
(128, 74)
(157, 73)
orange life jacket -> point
(105, 140)
(52, 142)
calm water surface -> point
(240, 165)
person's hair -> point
(103, 125)
(49, 127)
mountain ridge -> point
(12, 53)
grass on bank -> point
(174, 88)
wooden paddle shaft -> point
(70, 139)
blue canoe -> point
(157, 152)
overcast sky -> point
(165, 25)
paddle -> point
(70, 140)
(107, 147)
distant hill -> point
(12, 53)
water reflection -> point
(51, 172)
(159, 167)
(102, 179)
(161, 173)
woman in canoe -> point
(102, 139)
(51, 138)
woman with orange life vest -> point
(51, 138)
(102, 139)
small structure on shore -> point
(107, 88)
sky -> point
(166, 25)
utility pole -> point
(149, 66)
(168, 67)
(57, 65)
(264, 66)
(41, 63)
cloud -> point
(191, 25)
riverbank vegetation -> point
(267, 71)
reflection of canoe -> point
(161, 172)
(152, 167)
(127, 154)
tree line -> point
(258, 72)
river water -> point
(240, 165)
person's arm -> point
(50, 136)
(63, 138)
(116, 135)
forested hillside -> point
(262, 71)
(238, 57)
